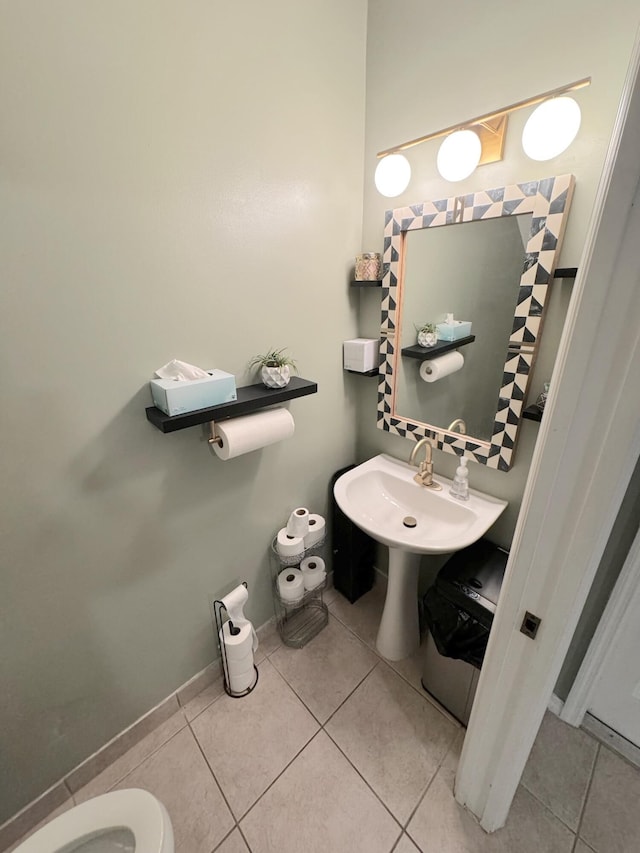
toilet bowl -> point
(128, 821)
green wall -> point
(176, 180)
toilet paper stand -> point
(218, 607)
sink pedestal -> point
(399, 632)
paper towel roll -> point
(317, 530)
(251, 432)
(436, 368)
(313, 572)
(298, 524)
(289, 546)
(291, 585)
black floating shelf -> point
(427, 353)
(377, 283)
(566, 272)
(250, 399)
(532, 413)
(373, 372)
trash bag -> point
(456, 633)
(459, 607)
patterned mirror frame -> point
(548, 201)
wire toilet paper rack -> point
(218, 608)
(300, 621)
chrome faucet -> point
(425, 471)
(458, 423)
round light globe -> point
(392, 176)
(551, 128)
(459, 155)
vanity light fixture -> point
(459, 155)
(393, 174)
(549, 131)
(551, 128)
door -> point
(615, 696)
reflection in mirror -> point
(471, 270)
(491, 267)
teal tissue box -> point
(453, 331)
(179, 397)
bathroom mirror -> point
(488, 258)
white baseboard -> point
(555, 705)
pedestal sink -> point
(382, 498)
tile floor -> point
(337, 750)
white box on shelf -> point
(361, 354)
(179, 397)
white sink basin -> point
(378, 496)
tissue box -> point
(360, 354)
(453, 331)
(178, 397)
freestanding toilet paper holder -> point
(218, 607)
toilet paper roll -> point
(289, 546)
(436, 368)
(291, 585)
(240, 645)
(239, 682)
(234, 603)
(313, 572)
(298, 524)
(317, 530)
(251, 432)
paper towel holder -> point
(218, 607)
(213, 438)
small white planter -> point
(276, 377)
(427, 339)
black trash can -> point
(459, 610)
(352, 551)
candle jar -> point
(369, 266)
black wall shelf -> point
(566, 272)
(250, 399)
(532, 413)
(367, 283)
(373, 372)
(427, 353)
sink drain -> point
(409, 521)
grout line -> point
(431, 781)
(588, 791)
(395, 846)
(272, 783)
(231, 831)
(69, 791)
(376, 795)
(244, 838)
(346, 699)
(206, 761)
(139, 764)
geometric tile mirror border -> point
(548, 201)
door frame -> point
(589, 439)
(625, 597)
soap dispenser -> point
(460, 487)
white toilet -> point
(129, 821)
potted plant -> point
(427, 335)
(275, 367)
